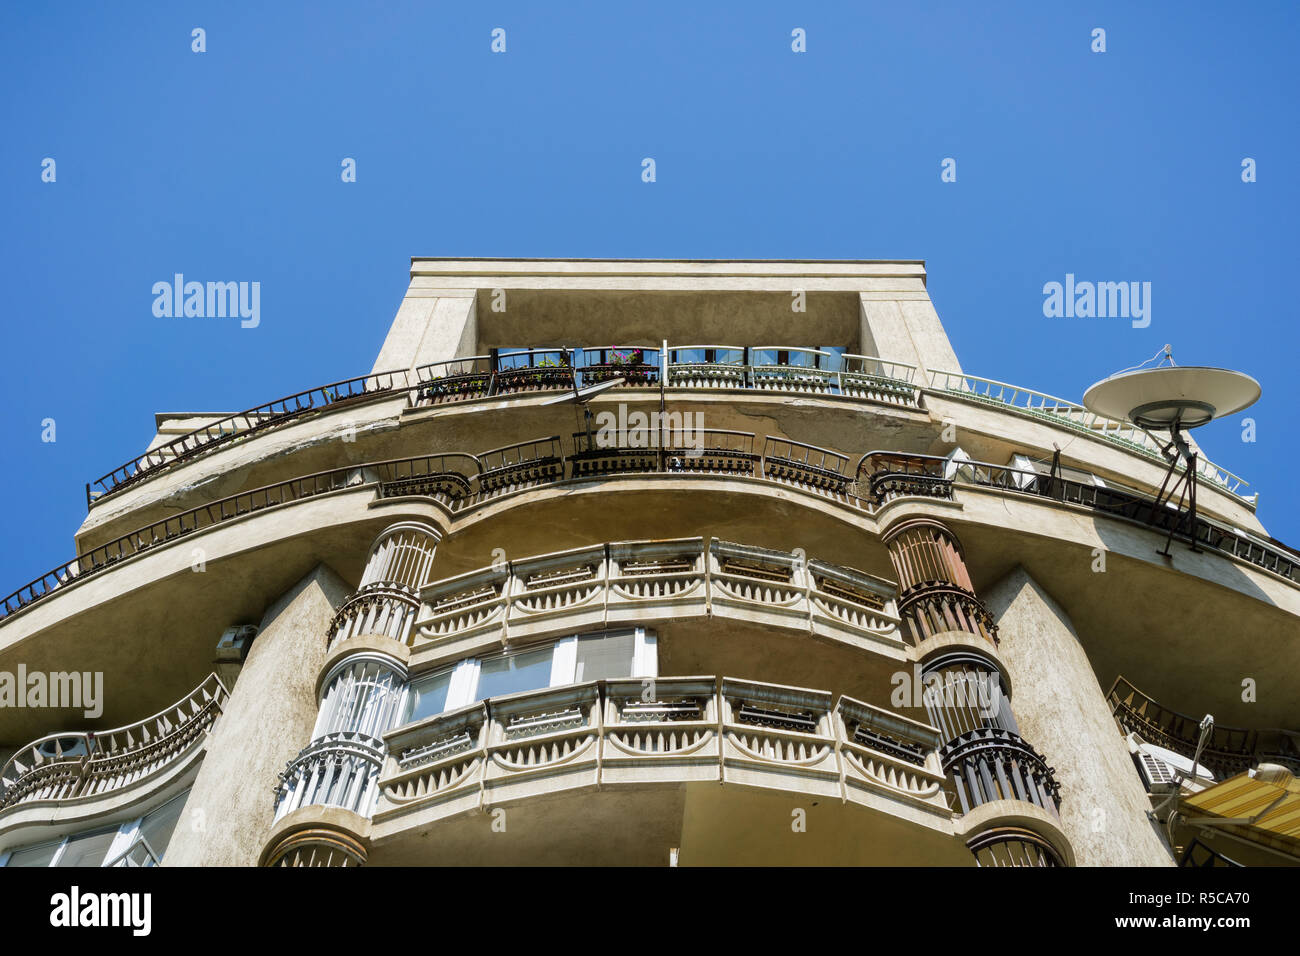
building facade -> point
(559, 581)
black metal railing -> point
(240, 425)
(1228, 751)
(990, 764)
(890, 474)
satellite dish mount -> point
(1173, 398)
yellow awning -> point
(1252, 809)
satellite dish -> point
(584, 393)
(1172, 397)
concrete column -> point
(431, 326)
(1062, 709)
(268, 719)
(904, 327)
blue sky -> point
(1116, 166)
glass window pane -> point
(602, 656)
(88, 849)
(158, 825)
(528, 670)
(428, 696)
(34, 855)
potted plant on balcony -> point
(628, 364)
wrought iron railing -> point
(78, 765)
(1228, 751)
(887, 475)
(1061, 412)
(340, 769)
(990, 764)
(765, 368)
(240, 425)
(462, 481)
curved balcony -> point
(1072, 415)
(990, 764)
(636, 735)
(339, 769)
(462, 481)
(761, 368)
(890, 474)
(1228, 751)
(79, 766)
(242, 425)
(382, 608)
(629, 583)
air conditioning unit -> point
(232, 649)
(1162, 770)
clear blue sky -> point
(225, 165)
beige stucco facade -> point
(790, 576)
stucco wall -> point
(1062, 712)
(267, 721)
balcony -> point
(462, 482)
(991, 764)
(1228, 751)
(613, 739)
(763, 368)
(889, 475)
(630, 583)
(84, 766)
(339, 769)
(1072, 415)
(245, 424)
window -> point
(87, 849)
(602, 656)
(526, 670)
(631, 652)
(158, 825)
(428, 696)
(105, 845)
(34, 855)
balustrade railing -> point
(632, 582)
(384, 609)
(72, 766)
(1228, 751)
(1073, 415)
(611, 732)
(340, 769)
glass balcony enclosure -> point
(629, 652)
